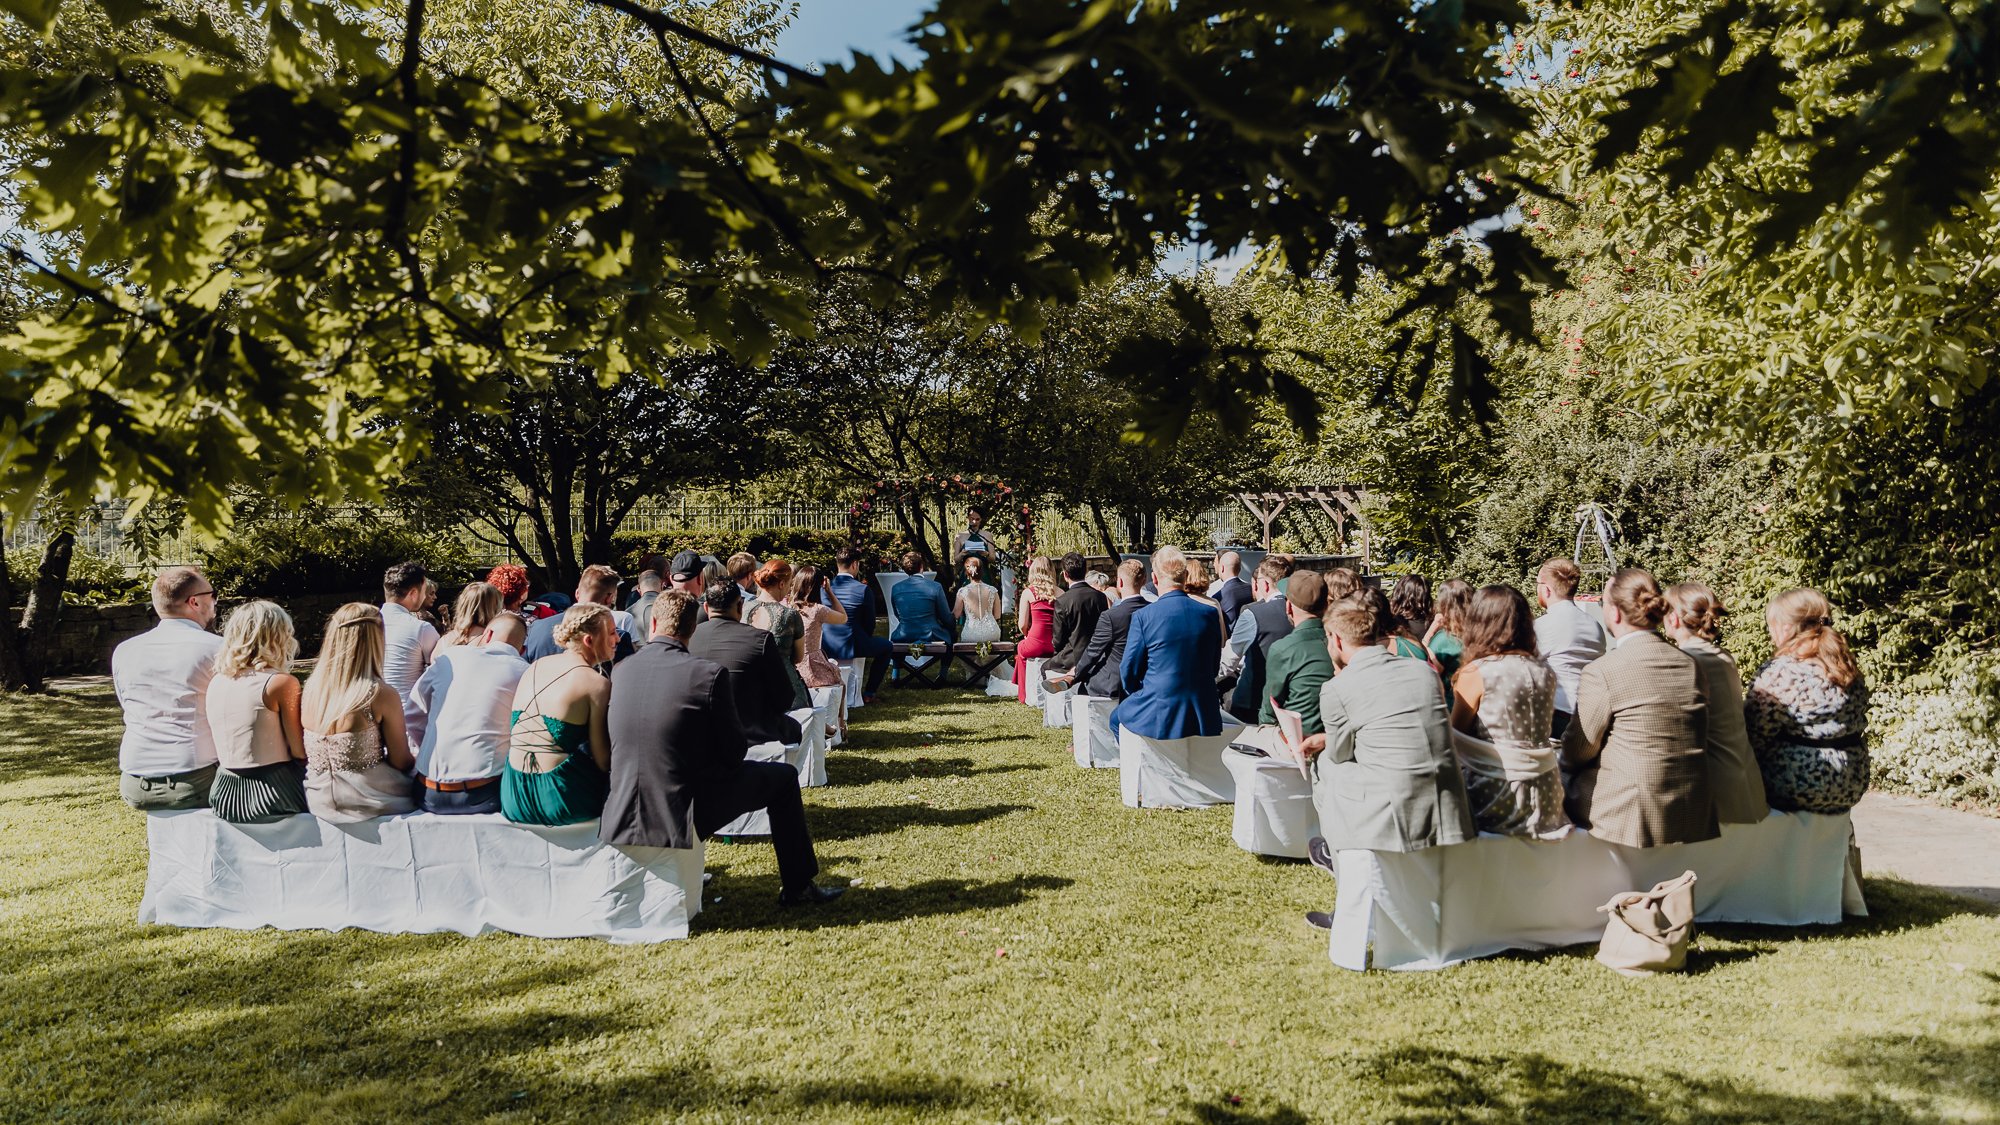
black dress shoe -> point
(1322, 856)
(1319, 920)
(812, 894)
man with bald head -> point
(1230, 591)
(468, 696)
(167, 758)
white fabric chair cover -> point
(886, 580)
(809, 756)
(1440, 906)
(1175, 773)
(1008, 591)
(1274, 806)
(1000, 683)
(417, 873)
(831, 703)
(1055, 707)
(1034, 682)
(757, 822)
(852, 676)
(1090, 740)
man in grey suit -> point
(1386, 779)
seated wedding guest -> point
(1196, 588)
(923, 614)
(756, 665)
(977, 604)
(1445, 639)
(408, 640)
(1298, 667)
(597, 586)
(1229, 589)
(358, 759)
(428, 611)
(1341, 581)
(511, 579)
(1035, 617)
(650, 563)
(742, 568)
(1410, 601)
(1567, 637)
(646, 590)
(808, 587)
(1503, 706)
(1101, 582)
(1172, 650)
(253, 713)
(1397, 635)
(856, 640)
(1694, 622)
(1637, 746)
(687, 573)
(1808, 710)
(1385, 778)
(773, 613)
(478, 604)
(1075, 615)
(677, 768)
(1261, 624)
(166, 759)
(1098, 671)
(558, 747)
(469, 698)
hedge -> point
(299, 557)
(93, 579)
(798, 545)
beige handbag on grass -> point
(1649, 930)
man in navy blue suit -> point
(1172, 653)
(1231, 592)
(855, 640)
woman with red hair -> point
(511, 579)
(773, 614)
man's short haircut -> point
(403, 577)
(720, 595)
(847, 556)
(674, 613)
(1355, 620)
(1228, 562)
(741, 565)
(1169, 564)
(1275, 568)
(1562, 576)
(1307, 590)
(1340, 582)
(173, 586)
(913, 562)
(598, 584)
(1074, 568)
(1098, 580)
(649, 581)
(508, 627)
(1131, 573)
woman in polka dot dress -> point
(1503, 705)
(1808, 710)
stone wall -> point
(86, 634)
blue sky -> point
(833, 29)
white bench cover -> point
(808, 756)
(1440, 906)
(1090, 738)
(1035, 692)
(1055, 707)
(1275, 814)
(417, 873)
(1175, 773)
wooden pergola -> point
(1340, 503)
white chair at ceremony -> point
(852, 677)
(1274, 812)
(1056, 706)
(1175, 773)
(1090, 739)
(1035, 692)
(831, 703)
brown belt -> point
(457, 786)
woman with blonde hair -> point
(770, 612)
(1035, 617)
(253, 713)
(358, 758)
(478, 604)
(1694, 622)
(559, 750)
(1808, 710)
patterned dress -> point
(1511, 764)
(815, 669)
(786, 627)
(349, 779)
(1809, 735)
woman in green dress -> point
(560, 756)
(1446, 640)
(773, 614)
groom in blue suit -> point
(1172, 654)
(855, 640)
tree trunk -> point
(10, 649)
(45, 599)
(1104, 531)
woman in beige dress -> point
(358, 758)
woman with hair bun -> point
(771, 612)
(1694, 622)
(1808, 710)
(559, 749)
(1638, 741)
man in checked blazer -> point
(1638, 743)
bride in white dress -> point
(977, 604)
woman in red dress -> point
(1036, 619)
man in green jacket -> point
(1297, 667)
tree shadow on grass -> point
(847, 822)
(860, 769)
(60, 735)
(751, 902)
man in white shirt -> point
(468, 696)
(1568, 636)
(408, 641)
(167, 757)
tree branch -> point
(663, 24)
(406, 153)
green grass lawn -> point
(1022, 947)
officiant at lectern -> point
(975, 540)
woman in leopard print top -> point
(1808, 710)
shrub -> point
(800, 545)
(289, 557)
(1939, 736)
(93, 579)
